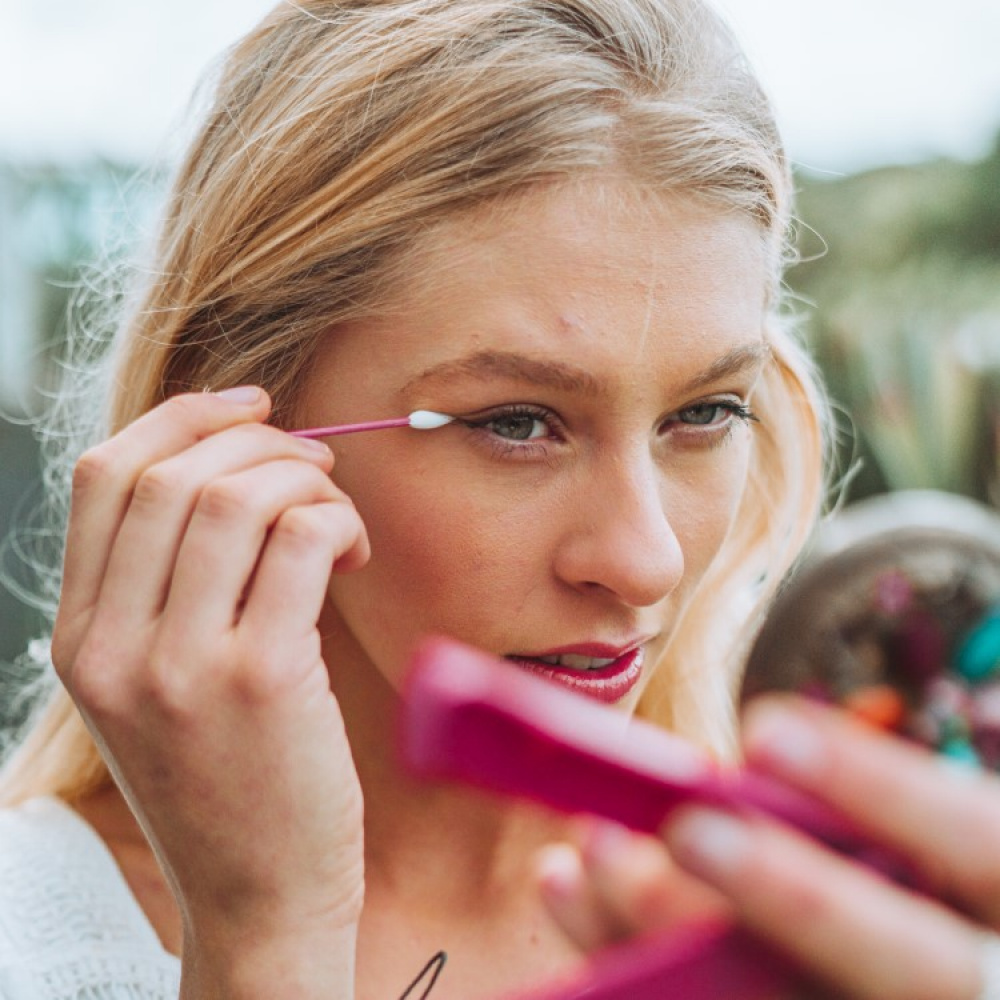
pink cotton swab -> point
(421, 420)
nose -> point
(619, 539)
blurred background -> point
(891, 110)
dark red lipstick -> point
(606, 682)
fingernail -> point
(245, 395)
(785, 741)
(709, 843)
(314, 445)
(605, 843)
(558, 870)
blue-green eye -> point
(517, 430)
(704, 414)
(515, 423)
(712, 414)
(517, 427)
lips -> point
(596, 671)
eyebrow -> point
(738, 361)
(506, 364)
(485, 365)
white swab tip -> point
(428, 420)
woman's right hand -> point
(199, 551)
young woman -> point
(562, 222)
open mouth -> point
(574, 661)
(607, 679)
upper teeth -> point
(577, 662)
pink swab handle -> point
(421, 420)
(697, 962)
(371, 425)
(468, 716)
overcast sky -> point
(857, 82)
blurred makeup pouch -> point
(895, 616)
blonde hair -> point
(339, 132)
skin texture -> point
(598, 529)
(246, 696)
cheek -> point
(442, 562)
(704, 507)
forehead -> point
(596, 271)
(603, 228)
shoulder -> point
(69, 925)
(22, 824)
(46, 853)
(37, 841)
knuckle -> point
(304, 527)
(155, 485)
(257, 681)
(93, 468)
(95, 685)
(262, 673)
(172, 690)
(223, 500)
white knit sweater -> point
(70, 928)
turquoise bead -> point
(978, 658)
(961, 753)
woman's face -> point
(601, 350)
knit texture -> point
(70, 928)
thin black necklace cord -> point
(437, 963)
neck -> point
(446, 868)
(431, 841)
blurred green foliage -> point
(58, 224)
(900, 290)
(53, 221)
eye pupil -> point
(707, 413)
(516, 428)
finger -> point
(572, 899)
(105, 477)
(224, 540)
(945, 818)
(638, 883)
(866, 937)
(614, 884)
(291, 580)
(202, 480)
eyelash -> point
(739, 411)
(712, 434)
(526, 448)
